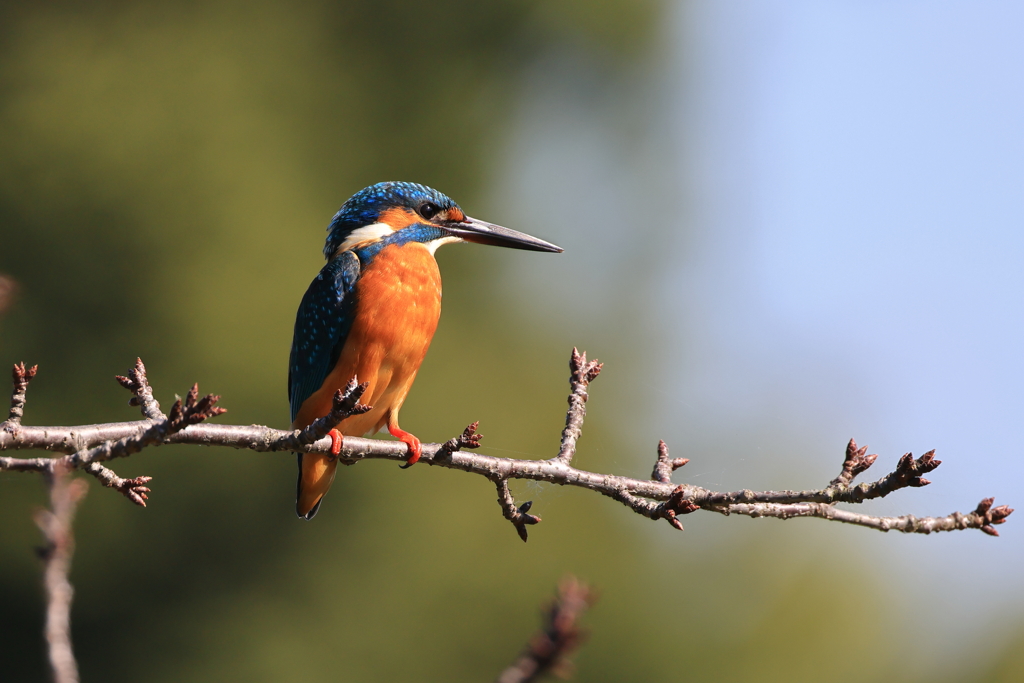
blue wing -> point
(321, 327)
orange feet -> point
(415, 450)
(336, 442)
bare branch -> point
(517, 515)
(665, 466)
(467, 439)
(983, 517)
(856, 462)
(20, 377)
(583, 373)
(55, 524)
(345, 404)
(133, 489)
(183, 414)
(550, 648)
(137, 382)
(677, 504)
(656, 498)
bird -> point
(371, 313)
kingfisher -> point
(371, 313)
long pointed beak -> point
(482, 232)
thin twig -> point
(656, 498)
(134, 490)
(549, 649)
(467, 439)
(856, 462)
(184, 413)
(665, 466)
(20, 377)
(582, 374)
(55, 523)
(517, 515)
(137, 382)
(345, 404)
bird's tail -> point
(316, 474)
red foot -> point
(336, 442)
(415, 450)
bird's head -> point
(398, 213)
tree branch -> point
(583, 373)
(549, 649)
(517, 515)
(21, 377)
(137, 382)
(55, 524)
(86, 446)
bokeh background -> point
(785, 223)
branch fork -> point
(665, 466)
(344, 404)
(152, 431)
(857, 461)
(519, 516)
(467, 439)
(87, 446)
(677, 504)
(988, 515)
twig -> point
(583, 373)
(137, 382)
(55, 524)
(345, 404)
(183, 414)
(20, 377)
(549, 649)
(665, 466)
(856, 462)
(517, 515)
(677, 504)
(656, 498)
(467, 439)
(134, 490)
(152, 432)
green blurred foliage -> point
(1007, 665)
(166, 174)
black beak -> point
(482, 232)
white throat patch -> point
(367, 233)
(432, 245)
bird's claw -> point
(415, 451)
(415, 448)
(336, 443)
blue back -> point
(327, 310)
(321, 326)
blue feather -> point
(321, 327)
(365, 206)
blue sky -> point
(835, 191)
(857, 176)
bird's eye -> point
(429, 210)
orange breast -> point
(397, 308)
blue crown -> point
(364, 208)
